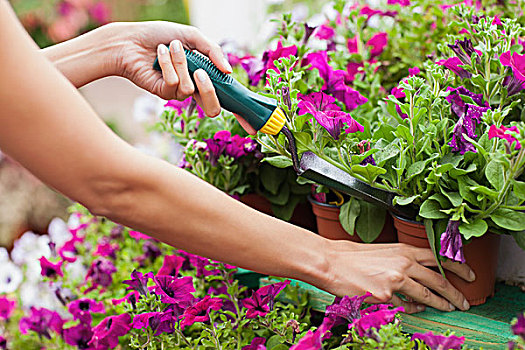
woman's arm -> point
(48, 127)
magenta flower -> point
(175, 290)
(377, 43)
(81, 309)
(106, 333)
(400, 2)
(131, 297)
(374, 317)
(518, 328)
(325, 32)
(256, 344)
(255, 68)
(464, 51)
(369, 12)
(200, 311)
(453, 64)
(217, 145)
(516, 82)
(280, 51)
(151, 252)
(41, 321)
(501, 133)
(272, 290)
(439, 341)
(189, 105)
(318, 196)
(314, 340)
(347, 308)
(138, 235)
(171, 265)
(50, 269)
(256, 305)
(451, 242)
(100, 272)
(7, 307)
(78, 336)
(316, 102)
(139, 282)
(200, 263)
(352, 69)
(106, 248)
(159, 322)
(68, 251)
(413, 71)
(100, 12)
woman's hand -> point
(387, 269)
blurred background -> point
(238, 25)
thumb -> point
(245, 125)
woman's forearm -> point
(88, 57)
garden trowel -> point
(263, 114)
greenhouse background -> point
(29, 209)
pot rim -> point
(327, 205)
(400, 218)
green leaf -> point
(430, 209)
(519, 189)
(442, 200)
(509, 219)
(476, 228)
(404, 200)
(279, 161)
(282, 195)
(370, 222)
(519, 237)
(495, 173)
(285, 211)
(369, 172)
(429, 228)
(272, 178)
(485, 191)
(454, 198)
(456, 172)
(303, 141)
(274, 341)
(348, 215)
(386, 153)
(403, 132)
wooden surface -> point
(486, 326)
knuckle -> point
(187, 89)
(443, 284)
(426, 294)
(384, 296)
(396, 277)
(215, 111)
(405, 262)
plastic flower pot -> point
(328, 225)
(481, 254)
(302, 215)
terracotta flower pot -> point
(328, 225)
(302, 215)
(481, 254)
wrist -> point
(108, 44)
(314, 263)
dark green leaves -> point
(509, 219)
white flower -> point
(10, 277)
(30, 247)
(147, 107)
(76, 271)
(4, 255)
(39, 294)
(59, 232)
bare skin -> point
(49, 128)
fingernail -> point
(466, 305)
(162, 49)
(472, 276)
(201, 75)
(451, 307)
(176, 46)
(420, 308)
(227, 64)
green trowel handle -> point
(232, 95)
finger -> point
(245, 125)
(178, 58)
(168, 72)
(409, 306)
(209, 102)
(426, 257)
(439, 284)
(423, 295)
(196, 40)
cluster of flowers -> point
(189, 302)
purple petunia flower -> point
(501, 133)
(272, 290)
(314, 340)
(439, 341)
(100, 272)
(81, 309)
(256, 344)
(464, 50)
(518, 328)
(151, 252)
(413, 71)
(50, 269)
(107, 332)
(516, 82)
(159, 322)
(453, 64)
(175, 290)
(280, 51)
(3, 343)
(325, 32)
(7, 307)
(256, 305)
(347, 308)
(374, 317)
(400, 2)
(217, 145)
(131, 298)
(171, 265)
(138, 235)
(189, 105)
(139, 281)
(451, 242)
(308, 31)
(200, 311)
(106, 248)
(79, 336)
(41, 321)
(255, 68)
(377, 43)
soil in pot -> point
(328, 225)
(302, 215)
(481, 254)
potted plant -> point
(453, 150)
